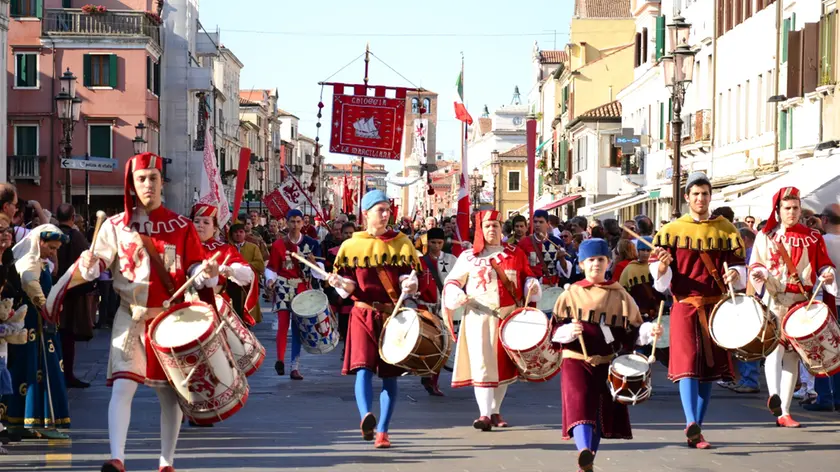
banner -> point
(367, 126)
(276, 204)
(289, 196)
(212, 189)
(241, 175)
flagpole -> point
(362, 165)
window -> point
(222, 160)
(513, 180)
(26, 8)
(769, 107)
(738, 113)
(661, 126)
(637, 50)
(828, 26)
(152, 75)
(644, 45)
(294, 132)
(747, 110)
(615, 156)
(580, 154)
(427, 105)
(783, 130)
(308, 160)
(415, 106)
(100, 142)
(100, 70)
(26, 70)
(154, 137)
(759, 93)
(26, 140)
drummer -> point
(636, 279)
(151, 251)
(491, 280)
(787, 260)
(372, 265)
(589, 412)
(545, 252)
(436, 266)
(289, 277)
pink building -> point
(115, 54)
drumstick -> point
(402, 296)
(312, 266)
(100, 217)
(190, 280)
(729, 284)
(635, 235)
(814, 295)
(580, 338)
(652, 358)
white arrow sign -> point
(94, 166)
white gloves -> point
(89, 266)
(645, 334)
(566, 333)
(409, 284)
(533, 284)
(203, 280)
(453, 297)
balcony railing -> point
(74, 22)
(697, 127)
(25, 168)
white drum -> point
(457, 316)
(815, 334)
(744, 327)
(526, 336)
(316, 322)
(629, 379)
(549, 299)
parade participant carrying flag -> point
(462, 226)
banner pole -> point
(362, 186)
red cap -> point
(481, 217)
(147, 160)
(204, 209)
(773, 219)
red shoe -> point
(368, 425)
(382, 441)
(694, 437)
(497, 420)
(295, 375)
(168, 468)
(586, 460)
(483, 423)
(774, 404)
(787, 422)
(113, 465)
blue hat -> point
(593, 247)
(640, 246)
(294, 212)
(541, 214)
(372, 198)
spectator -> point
(625, 253)
(554, 221)
(750, 221)
(255, 238)
(725, 212)
(644, 225)
(252, 254)
(520, 229)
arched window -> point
(427, 104)
(415, 106)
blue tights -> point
(587, 437)
(387, 399)
(695, 397)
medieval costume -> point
(495, 279)
(374, 265)
(252, 254)
(636, 279)
(547, 262)
(39, 400)
(611, 324)
(699, 250)
(149, 254)
(791, 259)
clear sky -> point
(292, 45)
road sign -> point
(94, 164)
(628, 141)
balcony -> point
(25, 168)
(115, 24)
(696, 131)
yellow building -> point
(512, 178)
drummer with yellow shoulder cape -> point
(372, 267)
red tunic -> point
(229, 255)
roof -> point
(518, 151)
(352, 166)
(602, 9)
(281, 112)
(553, 57)
(305, 138)
(610, 110)
(244, 102)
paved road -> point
(313, 426)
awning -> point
(731, 192)
(612, 204)
(560, 202)
(539, 148)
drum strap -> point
(506, 283)
(707, 261)
(793, 274)
(157, 265)
(387, 284)
(538, 245)
(433, 269)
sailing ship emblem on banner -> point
(367, 126)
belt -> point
(700, 304)
(376, 306)
(591, 360)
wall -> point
(512, 201)
(599, 82)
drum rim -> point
(302, 315)
(797, 306)
(646, 373)
(192, 343)
(384, 330)
(511, 316)
(723, 301)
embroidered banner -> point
(289, 196)
(367, 126)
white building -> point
(226, 71)
(501, 132)
(185, 100)
(305, 158)
(4, 51)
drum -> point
(744, 327)
(414, 340)
(317, 325)
(549, 299)
(629, 379)
(526, 336)
(247, 351)
(457, 316)
(188, 340)
(815, 335)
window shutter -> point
(564, 155)
(637, 50)
(157, 78)
(14, 8)
(783, 130)
(719, 18)
(811, 57)
(112, 69)
(644, 45)
(795, 56)
(660, 36)
(149, 74)
(785, 30)
(86, 74)
(790, 130)
(20, 80)
(661, 125)
(39, 8)
(66, 3)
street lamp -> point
(68, 109)
(477, 184)
(677, 69)
(140, 138)
(495, 167)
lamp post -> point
(495, 167)
(68, 109)
(477, 183)
(677, 69)
(261, 173)
(139, 141)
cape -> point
(593, 303)
(364, 250)
(717, 234)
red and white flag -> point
(212, 189)
(289, 196)
(460, 109)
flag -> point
(212, 189)
(289, 196)
(462, 219)
(241, 175)
(460, 110)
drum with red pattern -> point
(526, 336)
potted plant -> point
(91, 9)
(154, 18)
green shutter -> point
(39, 8)
(783, 128)
(564, 153)
(14, 8)
(20, 81)
(785, 30)
(100, 141)
(86, 74)
(27, 140)
(790, 130)
(660, 36)
(661, 125)
(66, 3)
(112, 68)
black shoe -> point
(76, 383)
(280, 368)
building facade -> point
(418, 147)
(226, 72)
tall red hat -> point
(147, 160)
(773, 219)
(482, 217)
(205, 209)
